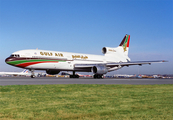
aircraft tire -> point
(77, 76)
(32, 76)
(98, 76)
(74, 76)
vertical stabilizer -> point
(125, 44)
(25, 71)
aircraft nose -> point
(9, 60)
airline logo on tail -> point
(25, 71)
(125, 42)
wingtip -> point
(164, 61)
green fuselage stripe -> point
(31, 60)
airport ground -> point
(55, 80)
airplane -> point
(55, 61)
(24, 72)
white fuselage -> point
(66, 60)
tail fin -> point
(125, 44)
(25, 71)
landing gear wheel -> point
(32, 76)
(98, 76)
(74, 76)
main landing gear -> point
(32, 74)
(74, 76)
(98, 76)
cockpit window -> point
(15, 55)
(12, 55)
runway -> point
(46, 80)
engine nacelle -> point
(99, 69)
(107, 50)
(52, 72)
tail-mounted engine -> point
(107, 50)
(100, 69)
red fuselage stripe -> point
(23, 65)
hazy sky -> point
(85, 26)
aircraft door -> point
(28, 56)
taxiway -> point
(46, 80)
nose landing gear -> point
(32, 74)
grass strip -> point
(42, 102)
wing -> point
(112, 66)
(134, 63)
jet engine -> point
(99, 69)
(107, 50)
(52, 72)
